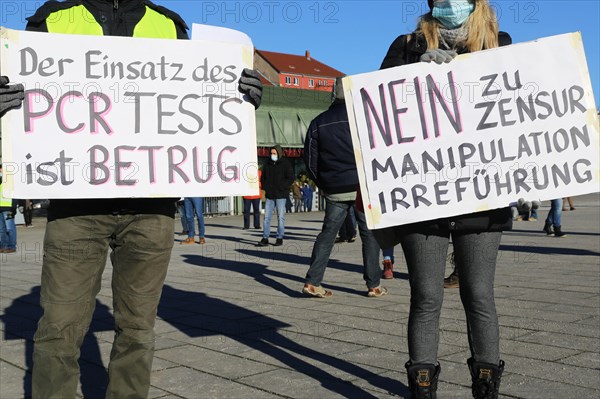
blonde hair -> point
(482, 26)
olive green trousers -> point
(75, 252)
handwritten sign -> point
(477, 133)
(111, 117)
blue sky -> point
(353, 36)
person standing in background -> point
(297, 195)
(276, 179)
(553, 225)
(182, 216)
(26, 208)
(252, 201)
(8, 228)
(388, 263)
(307, 194)
(568, 201)
(194, 206)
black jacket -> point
(328, 151)
(407, 49)
(117, 18)
(277, 177)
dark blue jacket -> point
(328, 152)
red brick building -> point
(294, 71)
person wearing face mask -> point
(276, 179)
(79, 233)
(451, 27)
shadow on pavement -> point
(266, 335)
(540, 233)
(20, 322)
(548, 250)
(262, 273)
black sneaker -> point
(548, 229)
(279, 242)
(263, 243)
(558, 232)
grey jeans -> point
(75, 252)
(475, 257)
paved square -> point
(233, 323)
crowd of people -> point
(140, 231)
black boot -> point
(422, 380)
(486, 379)
(558, 232)
(548, 229)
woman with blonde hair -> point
(451, 27)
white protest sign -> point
(475, 134)
(107, 117)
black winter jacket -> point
(407, 49)
(328, 151)
(277, 177)
(117, 18)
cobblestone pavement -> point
(233, 323)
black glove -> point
(251, 85)
(11, 96)
(438, 56)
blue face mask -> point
(274, 158)
(452, 13)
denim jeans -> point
(8, 231)
(182, 215)
(194, 205)
(335, 214)
(270, 205)
(255, 205)
(388, 252)
(75, 252)
(307, 203)
(348, 228)
(535, 205)
(555, 214)
(475, 256)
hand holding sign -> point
(476, 134)
(11, 96)
(251, 85)
(438, 55)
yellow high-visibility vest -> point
(4, 202)
(79, 21)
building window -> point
(288, 80)
(296, 81)
(311, 83)
(325, 83)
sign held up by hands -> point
(475, 134)
(111, 117)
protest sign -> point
(475, 134)
(108, 117)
